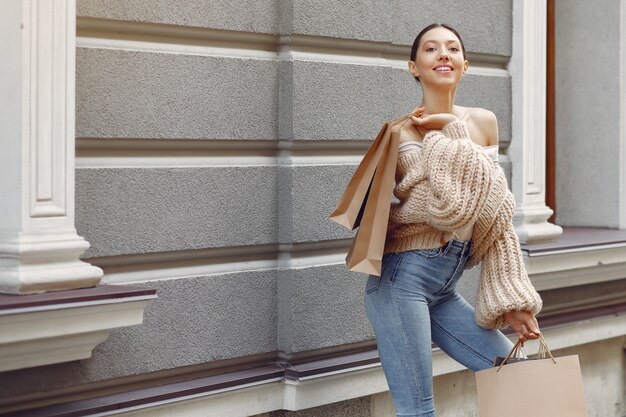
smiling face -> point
(439, 59)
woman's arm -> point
(446, 184)
(460, 175)
(504, 283)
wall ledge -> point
(582, 255)
(62, 326)
(281, 385)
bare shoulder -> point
(486, 122)
(480, 114)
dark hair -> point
(416, 42)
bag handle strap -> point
(403, 119)
(517, 350)
(543, 348)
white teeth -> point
(443, 69)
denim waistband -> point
(464, 245)
(460, 243)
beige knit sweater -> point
(452, 184)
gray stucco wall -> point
(242, 15)
(589, 169)
(136, 95)
(195, 320)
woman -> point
(454, 210)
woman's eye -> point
(454, 48)
(429, 49)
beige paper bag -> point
(366, 252)
(550, 387)
(351, 206)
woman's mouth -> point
(443, 69)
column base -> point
(32, 264)
(532, 226)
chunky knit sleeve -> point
(460, 175)
(504, 283)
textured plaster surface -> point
(331, 101)
(321, 306)
(194, 320)
(131, 211)
(588, 171)
(241, 15)
(484, 25)
(133, 94)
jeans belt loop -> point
(465, 248)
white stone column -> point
(39, 246)
(528, 143)
(622, 125)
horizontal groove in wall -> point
(104, 33)
(126, 269)
(84, 145)
(199, 161)
(176, 39)
(154, 153)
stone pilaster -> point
(527, 150)
(39, 246)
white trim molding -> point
(39, 247)
(528, 143)
(567, 267)
(622, 127)
(43, 335)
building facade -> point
(199, 147)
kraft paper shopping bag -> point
(351, 206)
(543, 387)
(366, 252)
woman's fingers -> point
(421, 119)
(524, 324)
(529, 334)
(525, 334)
(536, 325)
(418, 112)
(533, 327)
(416, 120)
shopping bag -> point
(366, 252)
(540, 387)
(351, 206)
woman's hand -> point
(408, 131)
(433, 121)
(524, 324)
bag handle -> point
(517, 350)
(543, 348)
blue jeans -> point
(415, 301)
